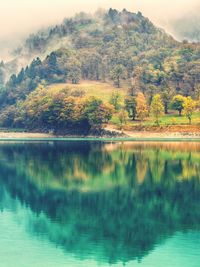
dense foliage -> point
(46, 110)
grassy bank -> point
(167, 119)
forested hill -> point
(114, 47)
(101, 33)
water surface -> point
(99, 204)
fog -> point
(19, 18)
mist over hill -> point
(187, 27)
(17, 52)
(64, 35)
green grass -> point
(97, 89)
(166, 120)
(14, 130)
(174, 119)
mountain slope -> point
(114, 47)
(89, 48)
(87, 31)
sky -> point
(18, 17)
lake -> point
(92, 203)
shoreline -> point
(128, 136)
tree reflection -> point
(117, 199)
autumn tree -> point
(189, 106)
(57, 110)
(106, 111)
(141, 106)
(123, 118)
(157, 108)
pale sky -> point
(20, 17)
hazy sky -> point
(19, 17)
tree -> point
(96, 112)
(105, 111)
(12, 83)
(117, 74)
(141, 106)
(189, 106)
(115, 100)
(35, 67)
(177, 103)
(21, 76)
(130, 106)
(198, 103)
(151, 90)
(113, 14)
(123, 117)
(197, 90)
(167, 93)
(136, 82)
(74, 70)
(157, 108)
(7, 116)
(66, 111)
(91, 65)
(2, 76)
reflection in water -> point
(113, 202)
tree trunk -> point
(166, 109)
(118, 82)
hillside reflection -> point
(111, 201)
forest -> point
(151, 75)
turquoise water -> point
(99, 204)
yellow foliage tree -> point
(189, 106)
(123, 117)
(157, 108)
(141, 106)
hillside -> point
(100, 90)
(113, 49)
(95, 46)
(89, 32)
(86, 30)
